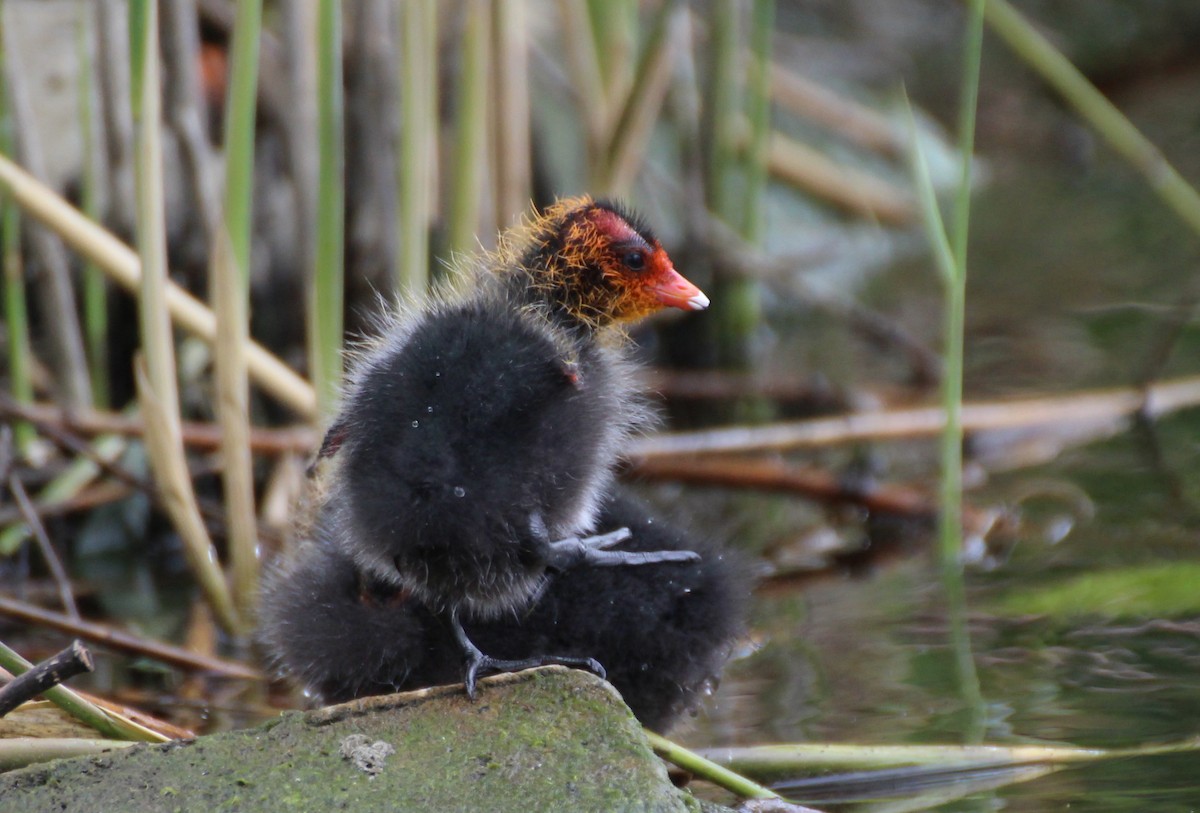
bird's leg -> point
(477, 662)
(593, 550)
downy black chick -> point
(477, 436)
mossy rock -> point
(547, 739)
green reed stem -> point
(951, 256)
(418, 138)
(708, 770)
(229, 283)
(156, 372)
(758, 111)
(95, 288)
(721, 108)
(950, 524)
(240, 113)
(328, 293)
(468, 163)
(16, 305)
(157, 340)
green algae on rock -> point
(546, 739)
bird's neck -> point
(554, 293)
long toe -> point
(472, 673)
(576, 550)
(596, 669)
(619, 558)
(601, 541)
(587, 664)
(483, 663)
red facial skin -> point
(637, 276)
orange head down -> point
(596, 262)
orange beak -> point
(673, 291)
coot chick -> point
(663, 631)
(477, 436)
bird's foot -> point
(478, 663)
(593, 550)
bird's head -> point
(599, 264)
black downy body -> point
(663, 631)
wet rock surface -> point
(547, 739)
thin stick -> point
(125, 642)
(85, 500)
(721, 109)
(155, 367)
(100, 457)
(55, 422)
(72, 661)
(57, 572)
(106, 722)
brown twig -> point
(212, 513)
(53, 563)
(72, 661)
(771, 475)
(87, 499)
(124, 641)
(72, 443)
(817, 484)
(204, 436)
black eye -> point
(634, 260)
